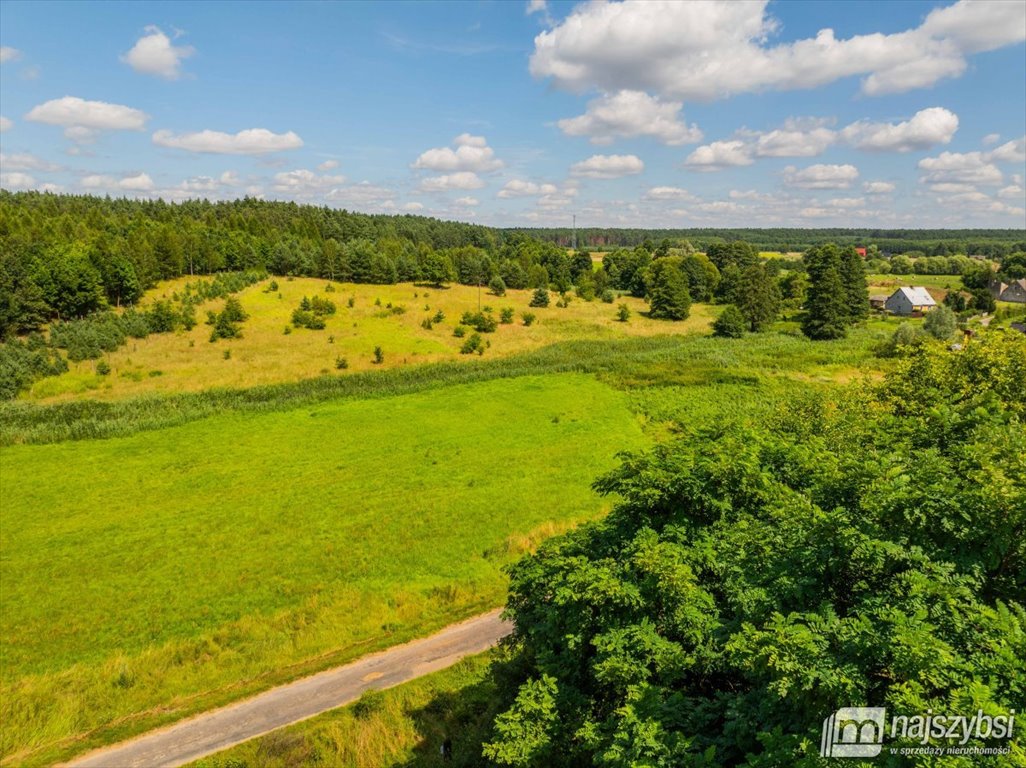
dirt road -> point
(221, 728)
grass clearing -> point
(938, 285)
(187, 361)
(229, 554)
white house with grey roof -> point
(910, 300)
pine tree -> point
(826, 314)
(730, 324)
(853, 276)
(669, 298)
(758, 297)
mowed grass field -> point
(151, 576)
(189, 362)
(938, 285)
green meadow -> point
(163, 555)
(157, 574)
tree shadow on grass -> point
(462, 717)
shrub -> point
(540, 298)
(623, 313)
(439, 316)
(459, 331)
(427, 324)
(379, 356)
(608, 297)
(341, 363)
(527, 317)
(480, 321)
(102, 368)
(497, 286)
(564, 301)
(351, 302)
(302, 318)
(506, 316)
(22, 362)
(730, 324)
(473, 344)
(940, 323)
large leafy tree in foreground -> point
(756, 578)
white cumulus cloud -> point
(303, 183)
(1011, 152)
(720, 155)
(445, 182)
(626, 114)
(466, 202)
(878, 187)
(708, 50)
(82, 119)
(521, 188)
(254, 141)
(5, 124)
(154, 54)
(471, 153)
(16, 180)
(328, 165)
(968, 168)
(607, 166)
(821, 176)
(141, 182)
(923, 130)
(668, 193)
(26, 162)
(9, 54)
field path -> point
(219, 729)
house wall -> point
(899, 304)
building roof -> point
(917, 295)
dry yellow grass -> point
(188, 361)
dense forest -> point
(992, 243)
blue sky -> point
(890, 114)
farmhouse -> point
(1014, 291)
(878, 301)
(861, 252)
(908, 301)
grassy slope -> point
(219, 557)
(188, 362)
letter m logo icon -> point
(853, 732)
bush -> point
(341, 363)
(608, 297)
(473, 344)
(540, 298)
(102, 368)
(379, 356)
(302, 318)
(23, 362)
(459, 331)
(527, 317)
(427, 324)
(439, 316)
(497, 286)
(479, 321)
(731, 324)
(506, 316)
(940, 323)
(623, 313)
